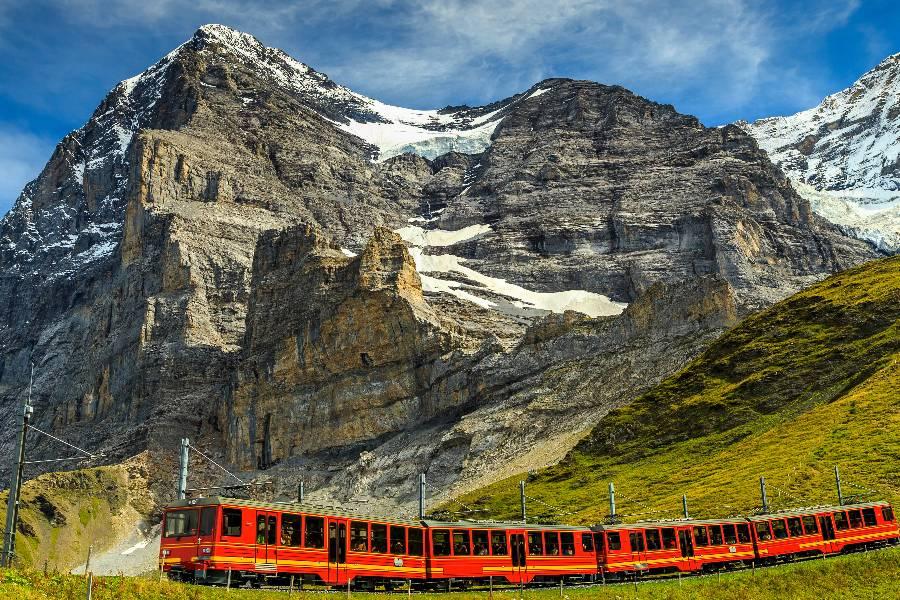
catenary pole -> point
(612, 501)
(522, 499)
(183, 470)
(837, 481)
(15, 486)
(762, 492)
(422, 497)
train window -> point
(613, 542)
(440, 539)
(379, 538)
(743, 532)
(291, 530)
(181, 522)
(730, 534)
(763, 532)
(587, 542)
(461, 545)
(855, 518)
(636, 538)
(567, 543)
(653, 539)
(668, 539)
(398, 539)
(359, 536)
(868, 517)
(498, 543)
(207, 520)
(535, 545)
(480, 544)
(415, 541)
(779, 529)
(887, 513)
(700, 536)
(840, 521)
(794, 527)
(551, 543)
(715, 535)
(231, 522)
(315, 533)
(809, 525)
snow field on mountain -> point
(589, 303)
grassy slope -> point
(63, 513)
(851, 577)
(812, 382)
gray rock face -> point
(181, 267)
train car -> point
(209, 540)
(823, 530)
(671, 546)
(467, 552)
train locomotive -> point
(231, 541)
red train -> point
(210, 540)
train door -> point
(266, 541)
(826, 525)
(337, 551)
(686, 545)
(638, 550)
(206, 533)
(519, 560)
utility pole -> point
(15, 485)
(183, 471)
(762, 491)
(684, 505)
(522, 499)
(837, 480)
(300, 492)
(422, 497)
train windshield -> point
(181, 522)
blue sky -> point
(721, 60)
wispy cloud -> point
(22, 156)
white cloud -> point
(22, 156)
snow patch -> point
(589, 303)
(348, 253)
(417, 236)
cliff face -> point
(183, 266)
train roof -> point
(330, 511)
(670, 523)
(503, 525)
(811, 510)
(305, 508)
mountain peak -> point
(223, 33)
(844, 154)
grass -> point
(810, 383)
(857, 576)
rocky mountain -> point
(310, 283)
(844, 154)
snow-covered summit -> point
(391, 130)
(844, 154)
